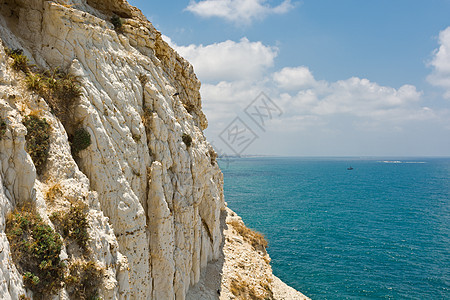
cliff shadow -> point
(210, 284)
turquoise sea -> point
(379, 231)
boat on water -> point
(350, 168)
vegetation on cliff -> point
(38, 140)
(35, 248)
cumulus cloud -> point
(233, 74)
(440, 63)
(294, 78)
(224, 100)
(310, 103)
(228, 60)
(355, 97)
(238, 11)
(314, 110)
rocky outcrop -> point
(154, 199)
(242, 271)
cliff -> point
(103, 160)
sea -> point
(380, 230)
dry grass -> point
(62, 91)
(54, 193)
(20, 61)
(238, 287)
(74, 225)
(244, 290)
(256, 239)
(84, 279)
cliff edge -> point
(109, 187)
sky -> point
(317, 77)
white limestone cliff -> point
(155, 204)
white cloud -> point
(353, 111)
(353, 96)
(294, 78)
(318, 105)
(363, 98)
(238, 11)
(223, 101)
(440, 75)
(228, 60)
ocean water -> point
(379, 231)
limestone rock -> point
(154, 202)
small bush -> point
(213, 156)
(238, 287)
(66, 87)
(143, 79)
(84, 279)
(187, 139)
(74, 224)
(20, 61)
(38, 140)
(24, 297)
(2, 128)
(136, 137)
(35, 82)
(117, 22)
(147, 117)
(35, 249)
(54, 193)
(80, 141)
(256, 239)
(189, 107)
(244, 290)
(62, 91)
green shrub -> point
(62, 91)
(84, 279)
(117, 22)
(2, 128)
(187, 139)
(20, 61)
(30, 279)
(35, 249)
(66, 87)
(38, 140)
(80, 141)
(74, 224)
(36, 83)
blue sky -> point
(358, 78)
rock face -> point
(154, 201)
